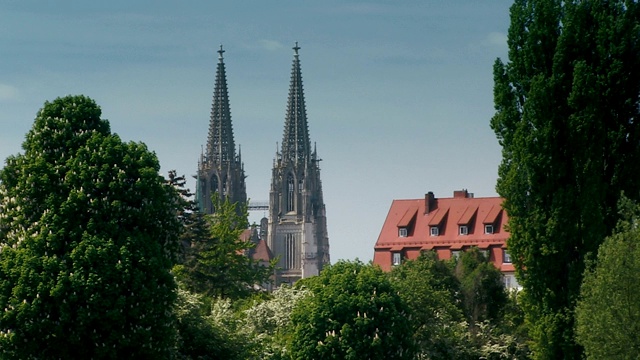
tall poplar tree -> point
(567, 111)
(88, 235)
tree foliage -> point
(567, 108)
(608, 314)
(87, 238)
(353, 312)
(194, 225)
(216, 262)
(267, 322)
(481, 287)
(459, 308)
(204, 332)
(432, 294)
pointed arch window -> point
(214, 183)
(291, 258)
(290, 192)
(224, 186)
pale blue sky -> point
(399, 94)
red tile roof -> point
(262, 252)
(468, 215)
(437, 216)
(492, 215)
(409, 215)
(447, 214)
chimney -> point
(461, 193)
(429, 202)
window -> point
(435, 231)
(485, 253)
(464, 230)
(402, 232)
(506, 257)
(455, 254)
(396, 258)
(510, 282)
(290, 195)
(291, 252)
(214, 184)
(488, 229)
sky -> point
(399, 94)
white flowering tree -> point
(88, 234)
(267, 322)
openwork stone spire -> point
(220, 145)
(296, 146)
(220, 170)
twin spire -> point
(296, 146)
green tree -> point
(194, 223)
(432, 294)
(267, 322)
(481, 287)
(566, 117)
(608, 314)
(353, 312)
(88, 234)
(216, 264)
(209, 330)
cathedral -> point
(296, 231)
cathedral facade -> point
(296, 230)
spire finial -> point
(220, 52)
(296, 48)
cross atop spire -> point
(295, 49)
(220, 52)
(296, 146)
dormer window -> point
(488, 229)
(402, 232)
(434, 231)
(464, 230)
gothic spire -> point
(296, 146)
(220, 144)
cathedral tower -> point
(220, 170)
(297, 229)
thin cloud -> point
(271, 45)
(496, 39)
(363, 9)
(8, 93)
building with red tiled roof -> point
(260, 252)
(446, 226)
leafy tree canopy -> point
(481, 287)
(432, 294)
(87, 238)
(608, 314)
(353, 313)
